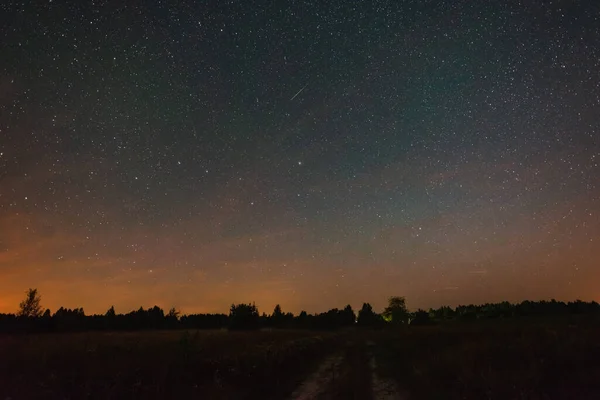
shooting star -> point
(299, 91)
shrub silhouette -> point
(421, 317)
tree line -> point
(31, 317)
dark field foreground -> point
(512, 360)
(495, 360)
(159, 365)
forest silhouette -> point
(31, 318)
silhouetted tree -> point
(420, 317)
(367, 317)
(332, 319)
(172, 318)
(301, 320)
(65, 319)
(396, 311)
(173, 313)
(110, 313)
(156, 317)
(277, 318)
(109, 319)
(347, 316)
(467, 313)
(443, 313)
(31, 307)
(277, 313)
(243, 317)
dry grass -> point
(503, 360)
(175, 364)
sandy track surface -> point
(349, 375)
(318, 383)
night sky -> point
(307, 153)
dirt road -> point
(350, 374)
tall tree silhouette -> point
(348, 317)
(277, 317)
(111, 312)
(277, 313)
(367, 317)
(396, 311)
(173, 313)
(31, 306)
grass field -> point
(500, 360)
(495, 360)
(153, 365)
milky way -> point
(311, 154)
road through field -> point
(317, 384)
(383, 389)
(351, 374)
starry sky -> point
(312, 154)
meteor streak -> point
(299, 91)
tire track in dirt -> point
(318, 383)
(351, 374)
(383, 389)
